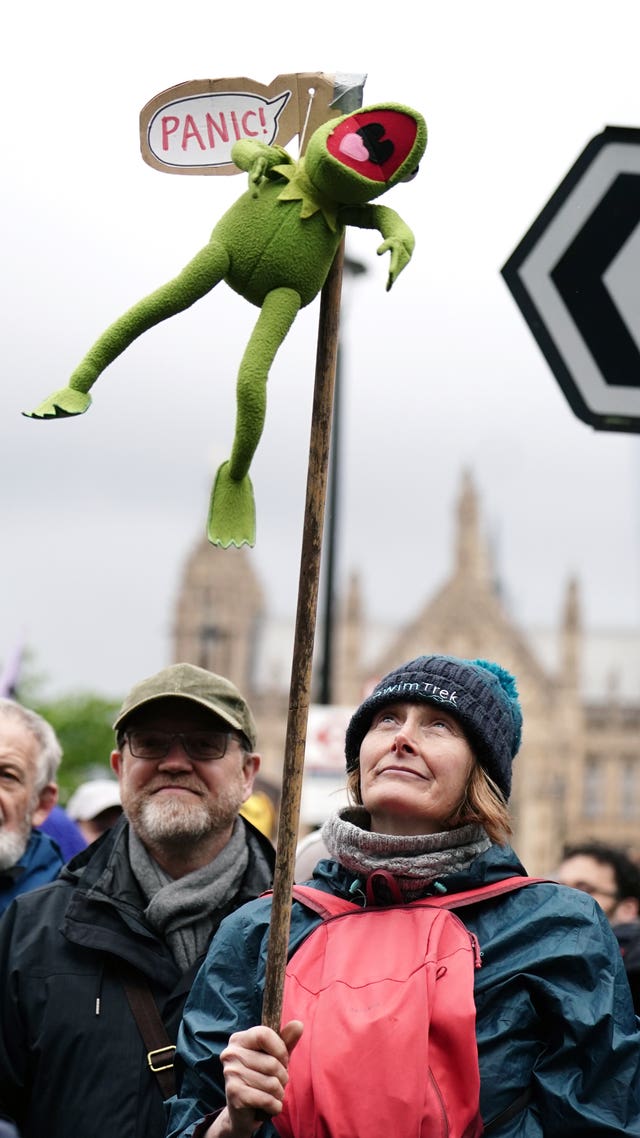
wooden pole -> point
(300, 690)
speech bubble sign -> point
(191, 127)
(200, 130)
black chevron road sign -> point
(576, 278)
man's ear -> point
(116, 763)
(250, 768)
(46, 802)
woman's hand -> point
(255, 1066)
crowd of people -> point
(430, 981)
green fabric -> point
(274, 247)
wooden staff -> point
(299, 696)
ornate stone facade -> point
(578, 772)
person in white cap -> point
(95, 806)
(95, 971)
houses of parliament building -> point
(577, 776)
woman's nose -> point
(403, 739)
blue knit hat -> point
(481, 695)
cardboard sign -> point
(190, 128)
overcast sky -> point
(99, 512)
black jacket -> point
(72, 1061)
(628, 937)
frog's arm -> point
(398, 238)
(258, 160)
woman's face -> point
(415, 763)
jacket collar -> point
(105, 912)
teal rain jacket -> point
(554, 1010)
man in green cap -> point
(96, 967)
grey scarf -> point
(182, 911)
(413, 861)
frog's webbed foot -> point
(232, 511)
(61, 405)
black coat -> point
(628, 937)
(72, 1061)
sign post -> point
(576, 278)
(190, 129)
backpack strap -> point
(483, 893)
(326, 904)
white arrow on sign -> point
(576, 279)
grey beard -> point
(12, 846)
(167, 821)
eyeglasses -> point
(200, 745)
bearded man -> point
(30, 755)
(95, 970)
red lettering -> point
(245, 128)
(191, 131)
(221, 128)
(169, 124)
(263, 119)
(234, 120)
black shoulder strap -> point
(160, 1049)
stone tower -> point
(219, 613)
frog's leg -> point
(197, 278)
(232, 515)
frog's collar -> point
(301, 188)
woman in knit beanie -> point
(556, 1045)
(448, 707)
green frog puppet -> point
(274, 247)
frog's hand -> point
(232, 511)
(258, 159)
(61, 405)
(400, 257)
(196, 279)
(398, 238)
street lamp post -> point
(352, 268)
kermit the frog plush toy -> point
(274, 246)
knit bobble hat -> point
(481, 695)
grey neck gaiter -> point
(413, 861)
